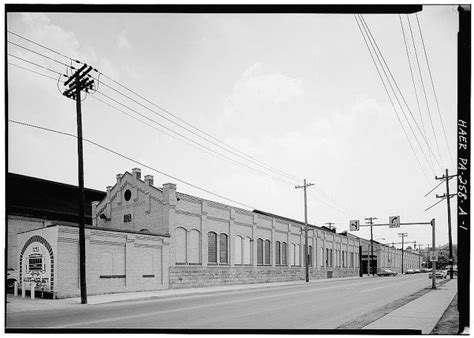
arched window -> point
(267, 252)
(238, 250)
(259, 251)
(212, 247)
(310, 256)
(247, 251)
(284, 252)
(180, 248)
(278, 253)
(223, 249)
(297, 255)
(194, 247)
(292, 254)
(322, 257)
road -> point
(323, 305)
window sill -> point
(112, 276)
(148, 276)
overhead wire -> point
(37, 53)
(130, 159)
(376, 48)
(413, 79)
(434, 90)
(31, 70)
(424, 91)
(260, 163)
(35, 64)
(390, 97)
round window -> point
(128, 195)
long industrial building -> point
(144, 237)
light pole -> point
(370, 221)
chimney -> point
(149, 180)
(137, 173)
(119, 178)
(109, 190)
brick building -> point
(144, 237)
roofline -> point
(55, 182)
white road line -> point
(389, 285)
(208, 305)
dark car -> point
(12, 277)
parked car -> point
(386, 272)
(417, 270)
(439, 274)
(409, 271)
(424, 270)
(12, 277)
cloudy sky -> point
(298, 93)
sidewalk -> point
(422, 314)
(18, 304)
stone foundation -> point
(204, 276)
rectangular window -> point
(327, 256)
(127, 218)
(322, 257)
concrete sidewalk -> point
(422, 313)
(18, 304)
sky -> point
(297, 92)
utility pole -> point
(402, 235)
(370, 221)
(433, 264)
(78, 82)
(330, 224)
(448, 197)
(305, 227)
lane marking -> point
(210, 305)
(389, 285)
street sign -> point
(433, 256)
(354, 225)
(394, 222)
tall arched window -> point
(277, 253)
(223, 249)
(310, 255)
(293, 254)
(322, 257)
(267, 251)
(247, 251)
(180, 245)
(212, 247)
(238, 250)
(194, 247)
(297, 254)
(284, 252)
(259, 251)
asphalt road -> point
(323, 305)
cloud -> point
(122, 41)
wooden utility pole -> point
(370, 221)
(402, 235)
(304, 186)
(78, 82)
(448, 197)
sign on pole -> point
(433, 256)
(394, 222)
(354, 225)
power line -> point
(40, 45)
(33, 71)
(203, 132)
(424, 93)
(37, 65)
(187, 129)
(130, 159)
(261, 163)
(389, 97)
(412, 76)
(43, 55)
(434, 91)
(220, 142)
(371, 38)
(187, 138)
